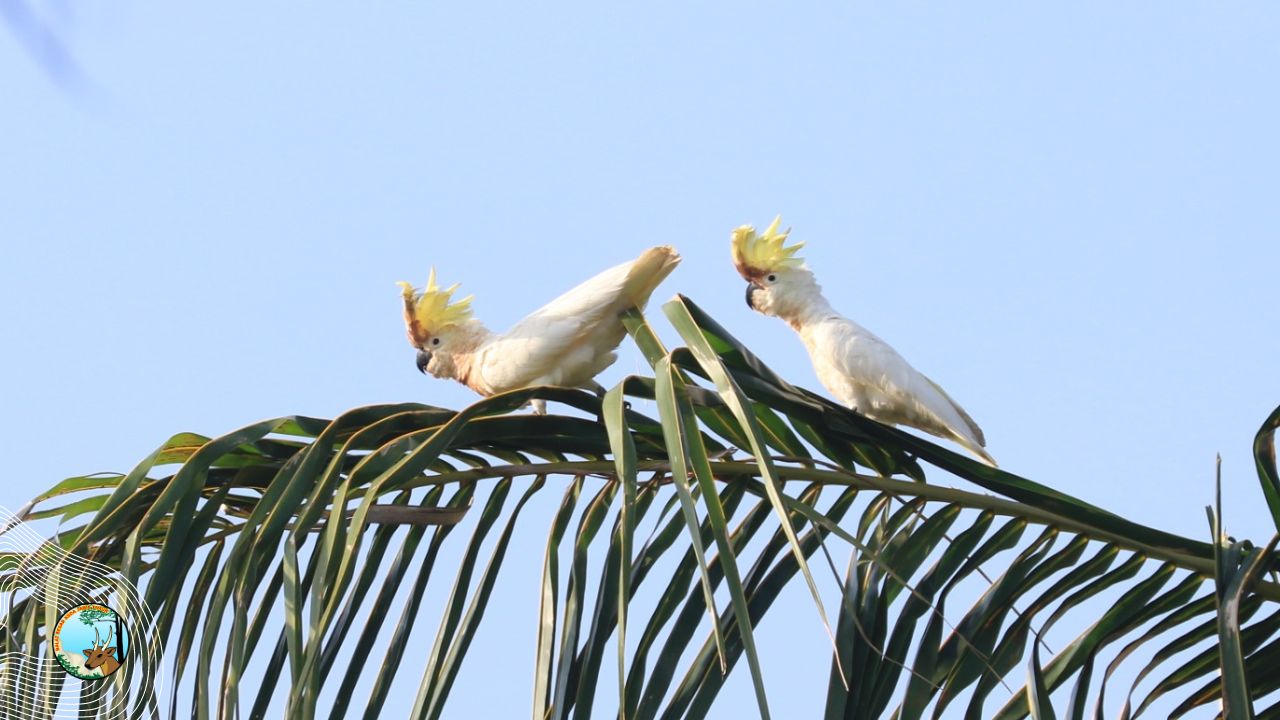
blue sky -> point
(1067, 218)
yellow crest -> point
(756, 254)
(430, 311)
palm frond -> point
(273, 555)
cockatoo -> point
(857, 367)
(566, 343)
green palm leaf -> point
(275, 554)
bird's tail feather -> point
(976, 431)
(648, 271)
(979, 452)
(974, 441)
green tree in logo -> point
(91, 617)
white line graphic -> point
(39, 581)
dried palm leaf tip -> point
(430, 311)
(757, 254)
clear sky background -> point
(1068, 218)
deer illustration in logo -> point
(100, 655)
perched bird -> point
(860, 369)
(566, 343)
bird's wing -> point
(571, 335)
(898, 393)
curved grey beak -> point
(751, 287)
(424, 357)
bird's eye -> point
(435, 341)
(772, 278)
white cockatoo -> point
(860, 369)
(566, 343)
